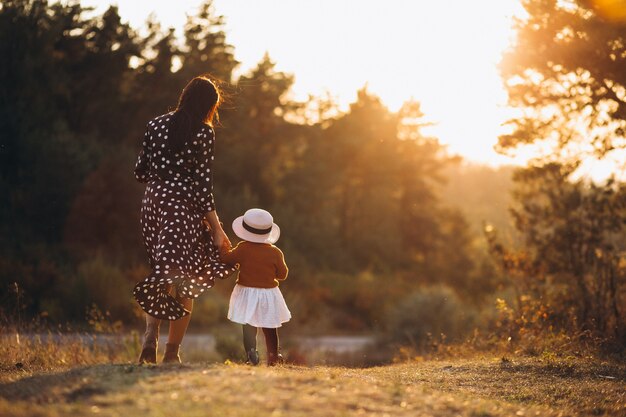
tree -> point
(567, 74)
(42, 156)
(356, 193)
(368, 181)
(257, 138)
(206, 50)
(166, 66)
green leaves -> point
(356, 193)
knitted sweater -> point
(261, 265)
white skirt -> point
(258, 307)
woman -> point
(176, 163)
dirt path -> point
(460, 388)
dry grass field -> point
(477, 387)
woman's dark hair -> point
(197, 106)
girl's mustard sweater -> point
(261, 265)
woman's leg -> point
(178, 328)
(177, 331)
(153, 326)
(271, 342)
(150, 341)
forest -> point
(383, 229)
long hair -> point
(197, 106)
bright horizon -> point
(443, 54)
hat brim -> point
(242, 233)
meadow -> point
(53, 375)
(485, 291)
(487, 386)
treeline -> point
(356, 193)
(367, 203)
(567, 73)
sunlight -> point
(347, 235)
(598, 171)
(443, 54)
(613, 10)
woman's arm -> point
(213, 222)
(204, 185)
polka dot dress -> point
(178, 195)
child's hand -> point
(219, 238)
(226, 245)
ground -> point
(479, 387)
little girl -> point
(256, 300)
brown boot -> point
(148, 354)
(150, 343)
(171, 353)
(275, 359)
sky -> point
(442, 53)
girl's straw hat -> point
(256, 225)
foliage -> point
(368, 219)
(357, 194)
(569, 273)
(566, 74)
(228, 346)
(428, 316)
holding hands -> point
(214, 226)
(220, 239)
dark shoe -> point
(275, 359)
(253, 357)
(148, 355)
(171, 353)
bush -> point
(107, 287)
(427, 314)
(209, 310)
(229, 345)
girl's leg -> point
(249, 344)
(177, 331)
(271, 342)
(150, 341)
(249, 337)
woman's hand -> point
(213, 223)
(220, 238)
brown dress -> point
(178, 194)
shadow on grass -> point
(80, 384)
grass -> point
(48, 377)
(477, 387)
(49, 351)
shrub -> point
(427, 314)
(106, 286)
